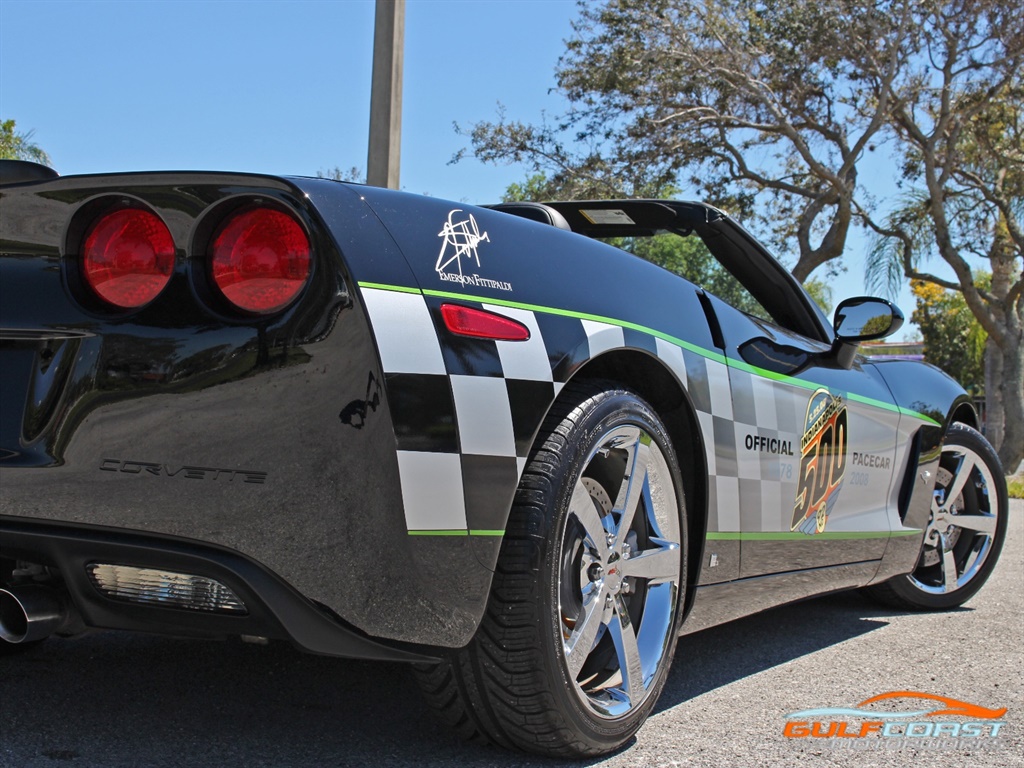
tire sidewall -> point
(599, 415)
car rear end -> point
(194, 438)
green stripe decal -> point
(797, 536)
(386, 287)
(456, 532)
(582, 316)
(707, 353)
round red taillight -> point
(128, 257)
(260, 260)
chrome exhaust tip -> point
(29, 613)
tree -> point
(960, 139)
(337, 174)
(685, 256)
(953, 339)
(536, 188)
(16, 145)
(774, 106)
(742, 97)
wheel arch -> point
(963, 412)
(650, 378)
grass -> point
(1016, 487)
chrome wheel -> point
(965, 530)
(585, 606)
(620, 570)
(961, 532)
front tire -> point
(584, 612)
(965, 532)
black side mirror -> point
(863, 318)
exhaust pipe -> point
(31, 612)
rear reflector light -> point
(164, 588)
(481, 324)
(260, 260)
(128, 257)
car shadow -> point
(122, 699)
(718, 656)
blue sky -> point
(277, 87)
(282, 87)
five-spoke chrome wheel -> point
(965, 530)
(585, 607)
(960, 534)
(619, 572)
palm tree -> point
(15, 145)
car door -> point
(812, 445)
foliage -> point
(18, 145)
(953, 339)
(772, 107)
(877, 325)
(1015, 486)
(536, 188)
(821, 292)
(747, 101)
(958, 134)
(689, 257)
(337, 174)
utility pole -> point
(386, 95)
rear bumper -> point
(274, 609)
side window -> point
(688, 256)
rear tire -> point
(965, 532)
(581, 625)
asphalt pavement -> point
(119, 699)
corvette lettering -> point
(188, 472)
(822, 461)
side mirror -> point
(862, 319)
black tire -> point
(513, 684)
(965, 533)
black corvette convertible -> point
(498, 443)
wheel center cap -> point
(613, 580)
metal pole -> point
(382, 160)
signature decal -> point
(460, 252)
(822, 461)
(188, 472)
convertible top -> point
(736, 249)
(616, 218)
